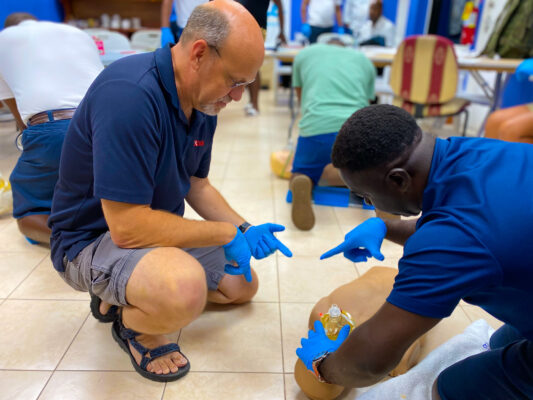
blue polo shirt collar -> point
(163, 62)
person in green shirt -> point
(332, 82)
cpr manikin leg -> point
(361, 298)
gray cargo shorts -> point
(104, 269)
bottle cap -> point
(334, 311)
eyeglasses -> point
(232, 83)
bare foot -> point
(161, 365)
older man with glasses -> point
(136, 150)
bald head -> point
(17, 18)
(224, 23)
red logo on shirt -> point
(198, 143)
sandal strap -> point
(157, 352)
(130, 335)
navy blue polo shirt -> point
(474, 238)
(129, 141)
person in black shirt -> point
(259, 8)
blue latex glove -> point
(166, 36)
(306, 30)
(524, 70)
(362, 242)
(262, 241)
(340, 30)
(318, 343)
(238, 251)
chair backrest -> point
(146, 39)
(112, 41)
(424, 70)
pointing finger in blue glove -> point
(362, 241)
(262, 241)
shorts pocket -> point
(99, 282)
(74, 276)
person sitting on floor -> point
(331, 82)
(45, 70)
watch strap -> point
(316, 363)
(244, 226)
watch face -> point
(244, 226)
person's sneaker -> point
(302, 214)
(251, 111)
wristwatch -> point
(316, 363)
(244, 226)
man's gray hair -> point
(206, 23)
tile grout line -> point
(46, 299)
(27, 276)
(281, 332)
(272, 190)
(63, 356)
(358, 275)
(136, 373)
(164, 390)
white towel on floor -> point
(417, 383)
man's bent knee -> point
(169, 284)
(235, 290)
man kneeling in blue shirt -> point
(138, 147)
(471, 242)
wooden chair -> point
(424, 75)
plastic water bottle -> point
(334, 320)
(6, 198)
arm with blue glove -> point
(262, 241)
(166, 32)
(318, 345)
(166, 36)
(367, 354)
(237, 251)
(362, 242)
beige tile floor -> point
(51, 348)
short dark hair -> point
(17, 18)
(373, 136)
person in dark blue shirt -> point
(472, 242)
(138, 147)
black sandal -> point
(111, 314)
(123, 335)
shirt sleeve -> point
(126, 142)
(442, 264)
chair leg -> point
(466, 121)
